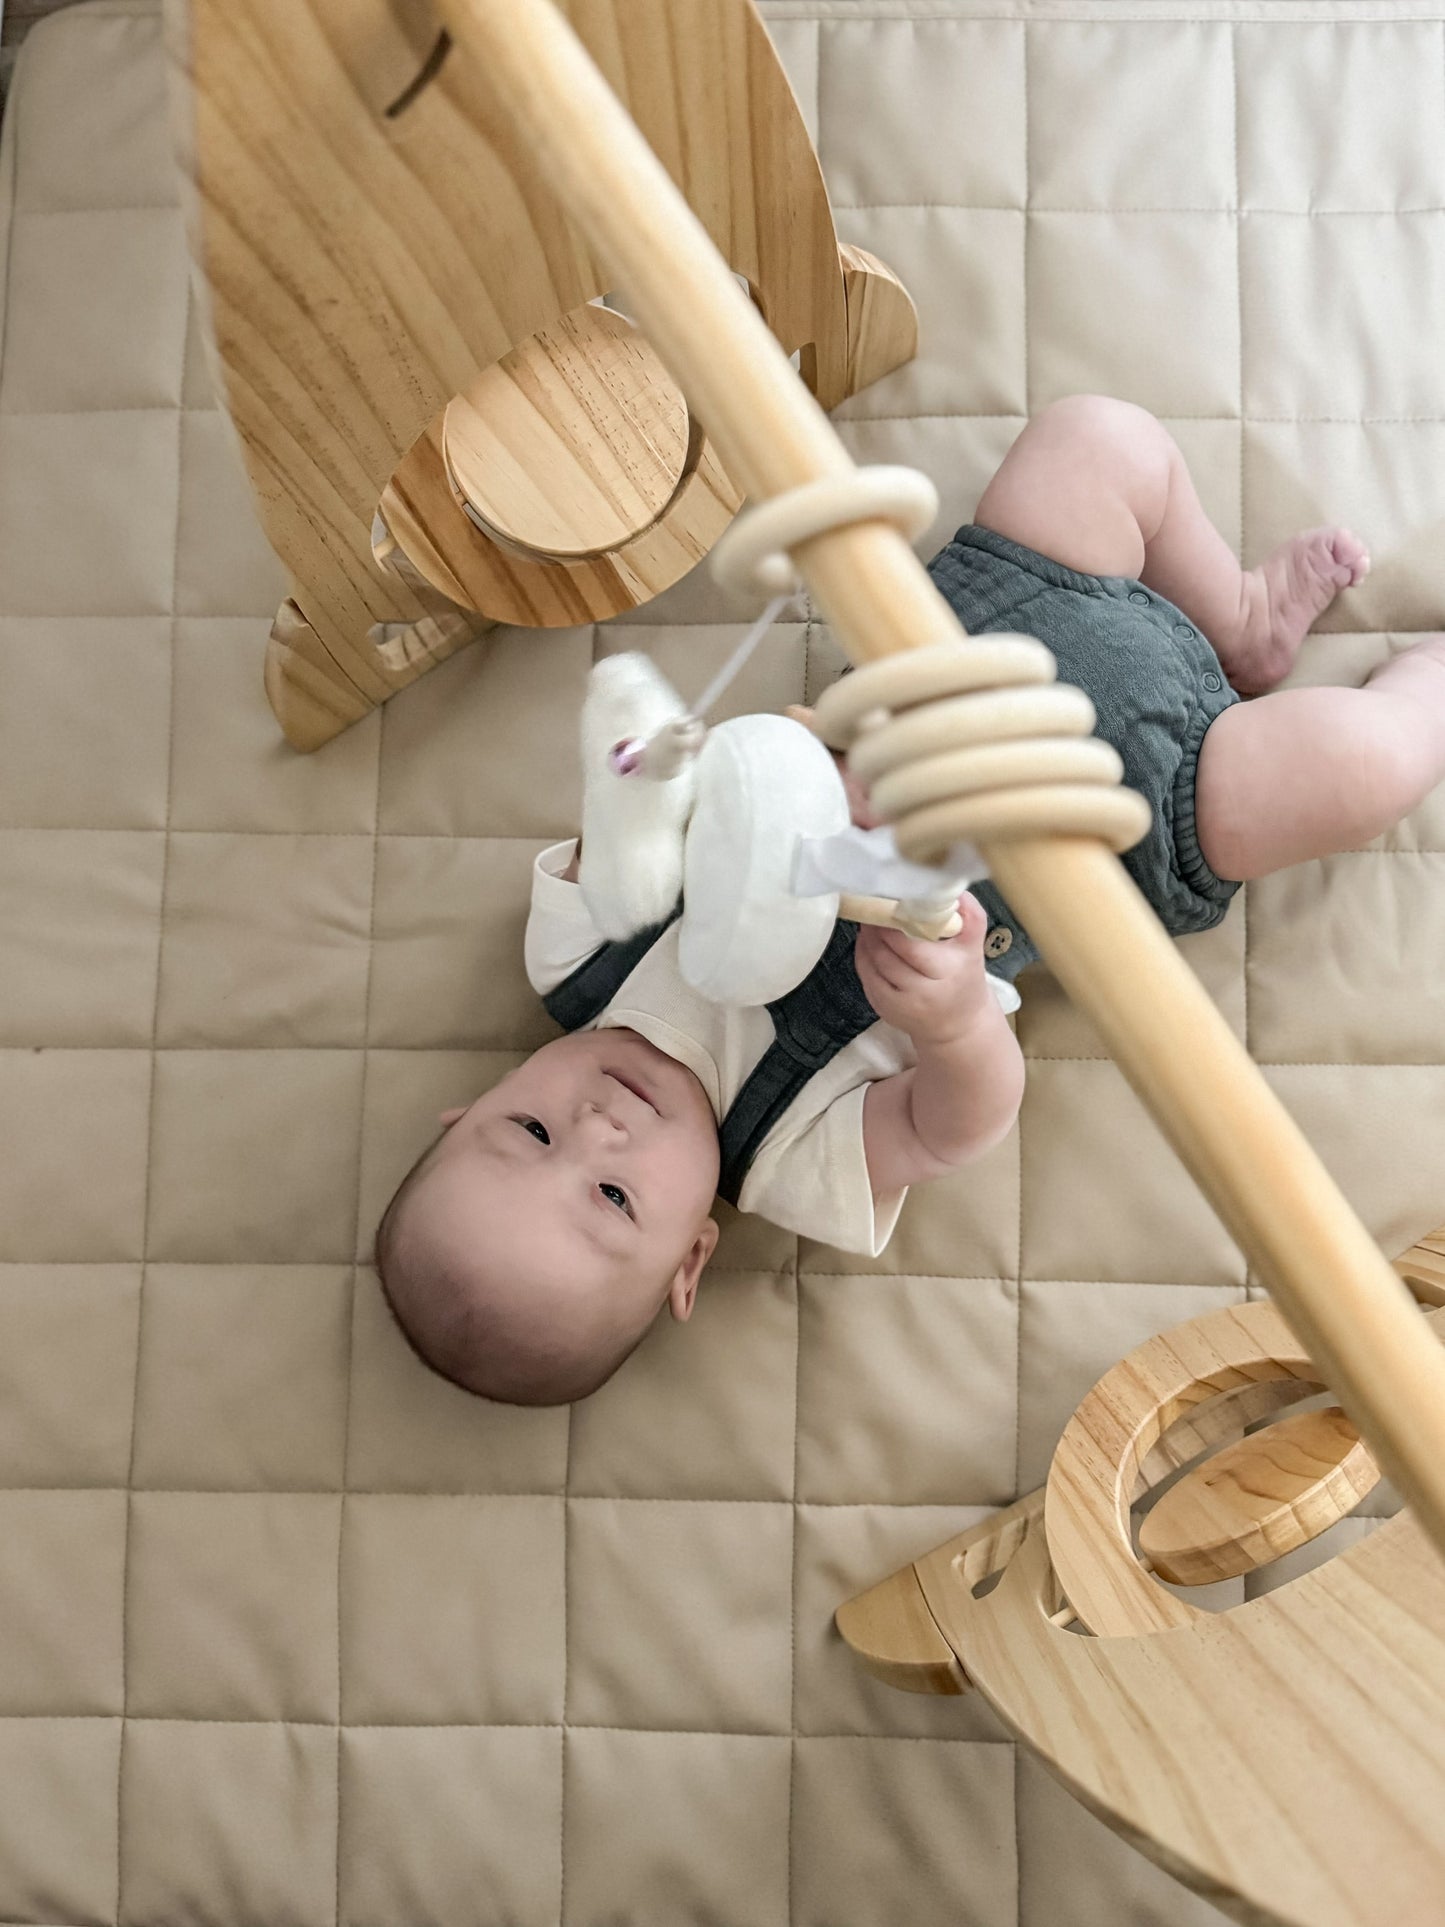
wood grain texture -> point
(573, 442)
(882, 321)
(1259, 1498)
(364, 269)
(1423, 1268)
(421, 515)
(1285, 1758)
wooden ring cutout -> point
(1266, 1494)
(1097, 1461)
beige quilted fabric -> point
(291, 1633)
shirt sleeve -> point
(816, 1183)
(560, 931)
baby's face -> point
(590, 1167)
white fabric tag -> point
(867, 863)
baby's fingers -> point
(974, 919)
(872, 948)
(917, 954)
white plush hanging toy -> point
(719, 815)
(750, 820)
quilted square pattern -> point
(295, 1633)
(1105, 127)
(101, 687)
(1294, 283)
(1382, 144)
(66, 897)
(68, 1337)
(74, 538)
(640, 1659)
(1182, 273)
(436, 1817)
(443, 775)
(241, 1378)
(59, 1845)
(60, 1601)
(851, 1820)
(1095, 1152)
(454, 1609)
(210, 1811)
(442, 975)
(860, 1337)
(231, 771)
(638, 1800)
(80, 353)
(237, 574)
(218, 1127)
(962, 80)
(308, 906)
(739, 1444)
(232, 1606)
(73, 1183)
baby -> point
(529, 1249)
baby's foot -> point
(1285, 595)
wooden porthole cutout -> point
(568, 484)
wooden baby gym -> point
(474, 447)
(559, 398)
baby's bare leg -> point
(1303, 773)
(1101, 486)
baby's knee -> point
(1103, 419)
(1119, 445)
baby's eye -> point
(614, 1194)
(533, 1128)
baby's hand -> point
(933, 991)
(860, 810)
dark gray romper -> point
(1157, 686)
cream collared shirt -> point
(810, 1174)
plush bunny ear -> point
(632, 826)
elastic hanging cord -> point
(739, 656)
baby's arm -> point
(964, 1092)
(560, 933)
(957, 1102)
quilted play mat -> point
(292, 1632)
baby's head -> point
(529, 1249)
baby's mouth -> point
(630, 1084)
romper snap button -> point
(1211, 681)
(998, 941)
(1183, 629)
(1137, 595)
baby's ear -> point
(448, 1118)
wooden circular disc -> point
(572, 443)
(1261, 1497)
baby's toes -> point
(1351, 557)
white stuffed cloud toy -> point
(725, 829)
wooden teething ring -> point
(975, 742)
